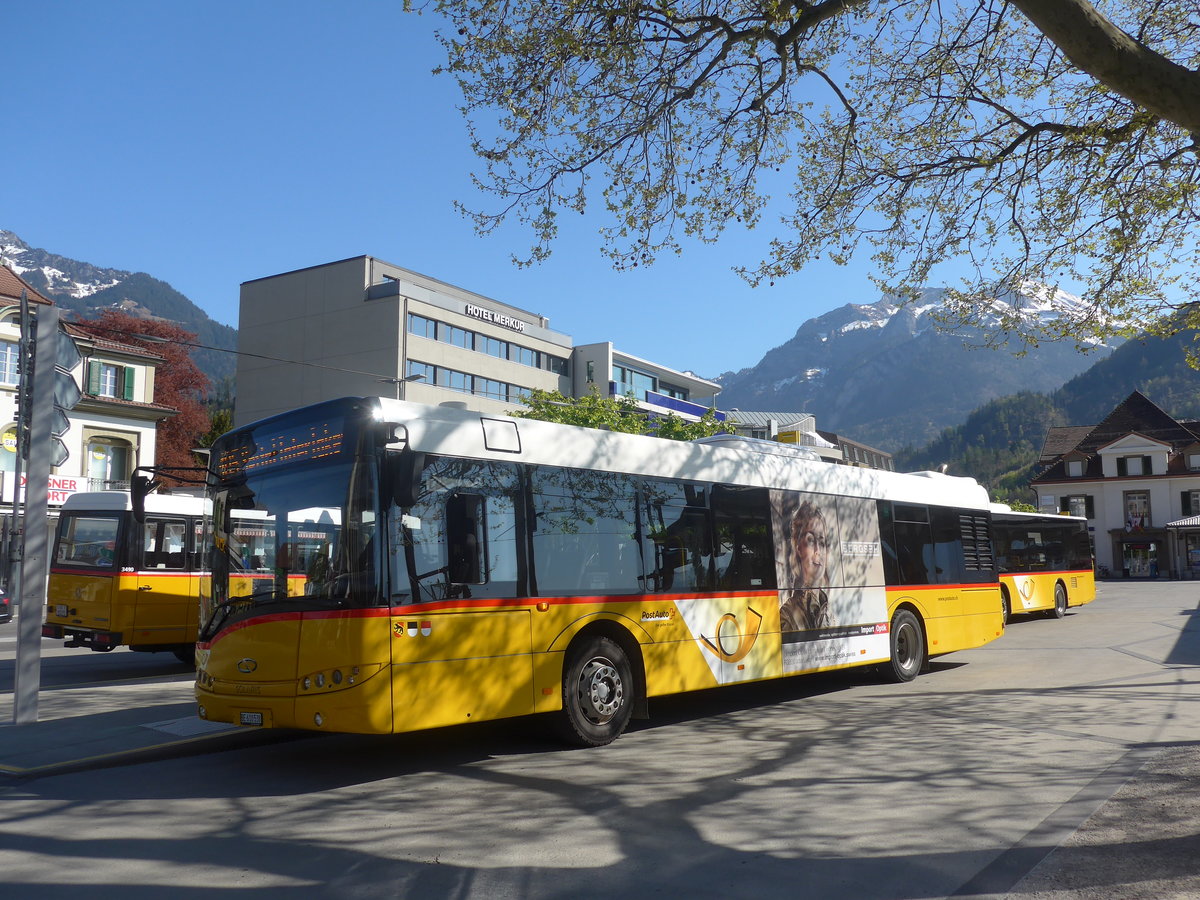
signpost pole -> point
(35, 536)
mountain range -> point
(84, 289)
(884, 374)
(880, 373)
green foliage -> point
(1000, 442)
(613, 414)
(920, 132)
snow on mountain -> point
(887, 374)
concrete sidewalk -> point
(103, 724)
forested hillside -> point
(1000, 441)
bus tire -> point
(1060, 601)
(597, 692)
(1005, 605)
(186, 654)
(908, 647)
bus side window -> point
(465, 542)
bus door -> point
(163, 591)
(458, 545)
(87, 562)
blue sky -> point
(213, 143)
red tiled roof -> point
(80, 330)
(11, 284)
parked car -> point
(5, 607)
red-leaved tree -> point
(178, 382)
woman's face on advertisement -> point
(812, 546)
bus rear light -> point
(202, 712)
(318, 720)
(306, 683)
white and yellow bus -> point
(428, 566)
(115, 582)
(1045, 562)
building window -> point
(1190, 503)
(454, 380)
(491, 346)
(523, 355)
(670, 390)
(459, 337)
(108, 463)
(555, 364)
(490, 388)
(1137, 510)
(1079, 505)
(1075, 468)
(631, 381)
(1193, 461)
(110, 380)
(10, 367)
(1133, 465)
(420, 368)
(422, 327)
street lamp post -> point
(400, 382)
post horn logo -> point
(745, 638)
(247, 665)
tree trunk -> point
(1112, 57)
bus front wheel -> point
(908, 646)
(597, 692)
(1005, 605)
(1060, 601)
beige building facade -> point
(363, 327)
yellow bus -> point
(1045, 562)
(429, 566)
(115, 582)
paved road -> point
(1059, 762)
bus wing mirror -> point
(139, 487)
(404, 477)
(464, 539)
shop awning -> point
(1189, 522)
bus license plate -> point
(250, 718)
(60, 609)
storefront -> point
(1185, 540)
(1142, 553)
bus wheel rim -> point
(906, 646)
(601, 690)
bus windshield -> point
(300, 536)
(88, 541)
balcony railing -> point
(105, 484)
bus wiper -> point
(225, 608)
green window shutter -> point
(1121, 468)
(93, 378)
(1147, 465)
(1089, 503)
(1185, 503)
(127, 388)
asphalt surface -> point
(1143, 841)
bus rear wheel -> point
(597, 693)
(908, 647)
(1060, 601)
